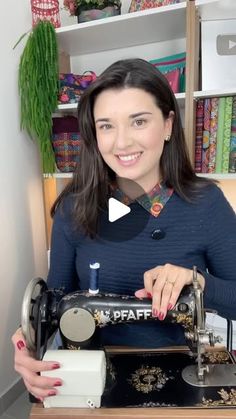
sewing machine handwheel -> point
(34, 289)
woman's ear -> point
(169, 123)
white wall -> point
(22, 231)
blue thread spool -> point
(94, 276)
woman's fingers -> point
(39, 386)
(29, 368)
(163, 301)
(150, 277)
(142, 293)
(33, 365)
(165, 283)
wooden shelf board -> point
(69, 107)
(58, 175)
(214, 93)
(216, 9)
(138, 28)
(218, 176)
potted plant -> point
(38, 88)
(87, 10)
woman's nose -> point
(123, 139)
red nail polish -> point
(170, 306)
(149, 295)
(161, 316)
(52, 393)
(57, 384)
(20, 344)
(55, 366)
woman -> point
(133, 141)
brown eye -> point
(139, 122)
(105, 126)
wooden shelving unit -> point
(124, 31)
(148, 34)
(72, 107)
(214, 93)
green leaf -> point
(22, 36)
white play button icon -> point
(116, 209)
(232, 44)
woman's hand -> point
(164, 284)
(28, 368)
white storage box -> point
(219, 54)
(83, 373)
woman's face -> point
(131, 131)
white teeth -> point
(130, 157)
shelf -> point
(214, 93)
(216, 9)
(218, 176)
(123, 31)
(180, 97)
(57, 175)
(68, 107)
(72, 107)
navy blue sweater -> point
(201, 233)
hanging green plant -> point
(38, 87)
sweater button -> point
(158, 234)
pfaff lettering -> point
(129, 315)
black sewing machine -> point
(191, 376)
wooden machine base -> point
(39, 412)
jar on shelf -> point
(45, 10)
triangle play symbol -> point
(116, 209)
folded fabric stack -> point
(215, 143)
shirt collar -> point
(153, 202)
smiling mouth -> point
(129, 157)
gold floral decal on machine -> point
(184, 319)
(147, 379)
(227, 398)
(217, 357)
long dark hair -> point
(91, 180)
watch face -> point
(226, 44)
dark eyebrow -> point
(133, 115)
(102, 120)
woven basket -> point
(66, 143)
(45, 10)
(66, 147)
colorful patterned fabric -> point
(137, 5)
(199, 135)
(220, 134)
(227, 134)
(153, 202)
(173, 67)
(71, 86)
(232, 155)
(213, 134)
(206, 135)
